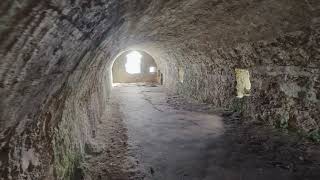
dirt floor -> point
(149, 134)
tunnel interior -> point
(59, 58)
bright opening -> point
(152, 69)
(181, 74)
(243, 83)
(133, 65)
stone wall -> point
(56, 58)
(51, 95)
(284, 76)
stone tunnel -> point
(239, 95)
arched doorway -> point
(135, 67)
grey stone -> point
(56, 57)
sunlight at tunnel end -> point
(133, 65)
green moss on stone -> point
(238, 105)
(67, 156)
(314, 136)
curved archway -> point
(133, 66)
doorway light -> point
(152, 69)
(133, 65)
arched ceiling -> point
(55, 56)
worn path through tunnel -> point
(169, 138)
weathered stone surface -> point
(56, 58)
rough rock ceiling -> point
(56, 57)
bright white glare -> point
(152, 69)
(133, 65)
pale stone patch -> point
(243, 83)
(29, 157)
